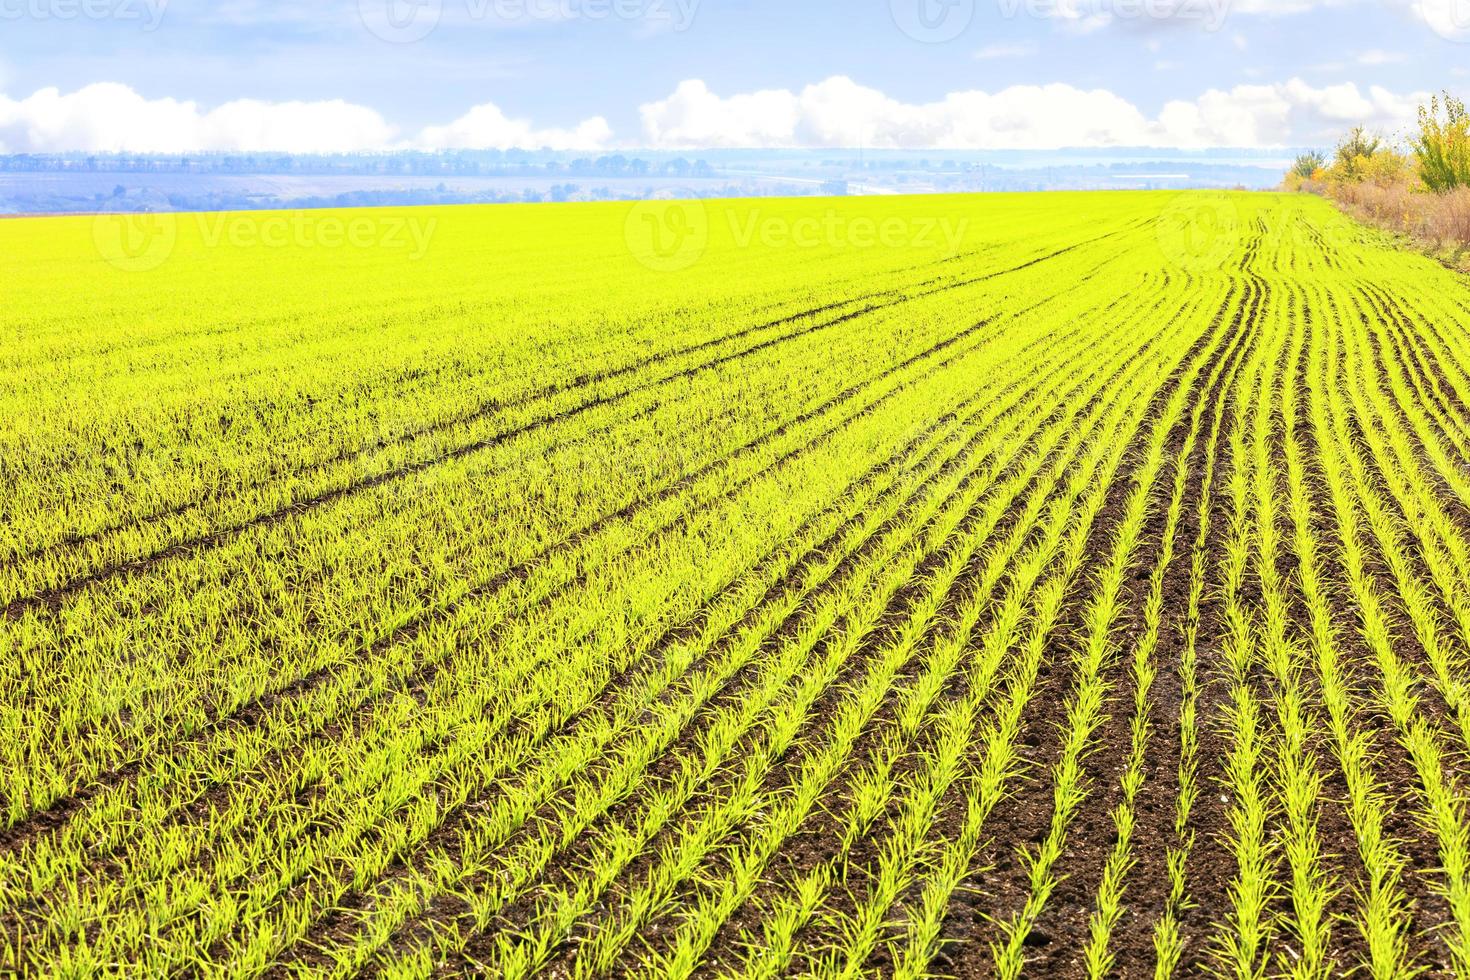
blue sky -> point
(353, 74)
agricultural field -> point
(1037, 585)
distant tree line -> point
(466, 163)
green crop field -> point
(1037, 585)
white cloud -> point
(1288, 113)
(695, 116)
(247, 124)
(837, 112)
(840, 112)
(993, 52)
(487, 127)
(109, 117)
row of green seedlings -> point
(1168, 937)
(432, 311)
(46, 755)
(1382, 915)
(1095, 654)
(590, 752)
(1430, 370)
(301, 461)
(937, 871)
(268, 676)
(578, 899)
(1442, 545)
(1449, 669)
(458, 422)
(1296, 773)
(1394, 458)
(1352, 492)
(1242, 942)
(1100, 959)
(909, 847)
